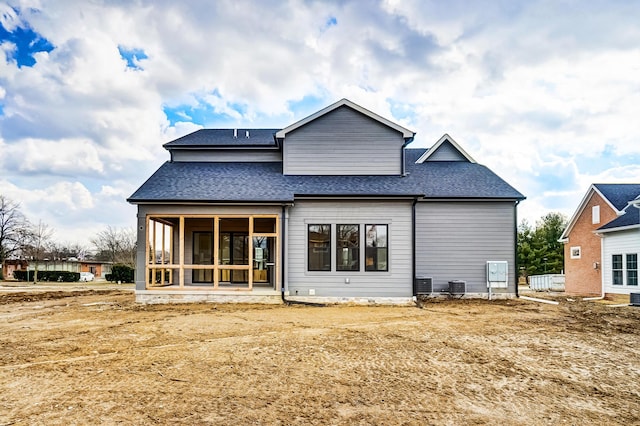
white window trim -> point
(595, 215)
(571, 250)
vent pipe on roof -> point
(235, 133)
(247, 134)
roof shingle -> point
(264, 182)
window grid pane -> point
(632, 269)
(616, 267)
(348, 247)
(319, 247)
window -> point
(575, 252)
(348, 247)
(595, 214)
(632, 269)
(376, 253)
(616, 268)
(319, 251)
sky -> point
(545, 93)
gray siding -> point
(447, 152)
(343, 142)
(454, 240)
(397, 282)
(204, 155)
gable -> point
(593, 197)
(343, 141)
(406, 133)
(446, 149)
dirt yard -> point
(95, 357)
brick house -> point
(601, 204)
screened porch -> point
(212, 252)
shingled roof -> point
(225, 138)
(209, 182)
(631, 218)
(619, 194)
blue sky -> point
(545, 93)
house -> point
(98, 268)
(11, 265)
(600, 220)
(333, 208)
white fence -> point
(549, 282)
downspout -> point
(403, 160)
(282, 250)
(515, 246)
(413, 245)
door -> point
(264, 261)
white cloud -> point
(535, 90)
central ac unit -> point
(424, 285)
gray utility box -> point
(457, 287)
(424, 285)
(634, 299)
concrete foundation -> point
(159, 296)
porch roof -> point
(208, 182)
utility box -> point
(497, 274)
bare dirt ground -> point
(95, 357)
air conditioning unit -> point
(457, 287)
(424, 285)
(634, 299)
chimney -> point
(247, 134)
(235, 133)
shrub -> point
(59, 276)
(122, 273)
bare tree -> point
(66, 251)
(116, 245)
(13, 224)
(35, 243)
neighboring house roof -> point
(232, 138)
(616, 195)
(443, 140)
(629, 220)
(264, 182)
(406, 133)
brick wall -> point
(581, 278)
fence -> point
(549, 282)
